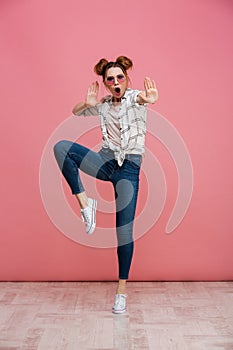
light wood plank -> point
(77, 315)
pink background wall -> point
(48, 50)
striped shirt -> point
(132, 123)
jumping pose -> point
(123, 125)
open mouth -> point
(118, 90)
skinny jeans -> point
(73, 157)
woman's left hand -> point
(150, 95)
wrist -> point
(86, 105)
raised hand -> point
(150, 95)
(92, 94)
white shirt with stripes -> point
(131, 123)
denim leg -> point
(126, 192)
(125, 255)
(71, 157)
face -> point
(116, 81)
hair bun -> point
(125, 62)
(100, 66)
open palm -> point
(150, 95)
(92, 94)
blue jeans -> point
(72, 157)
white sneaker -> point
(119, 304)
(89, 215)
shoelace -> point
(85, 217)
(120, 300)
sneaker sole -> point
(93, 224)
(119, 311)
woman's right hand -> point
(92, 94)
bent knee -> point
(61, 146)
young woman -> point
(123, 124)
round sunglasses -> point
(111, 80)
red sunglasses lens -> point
(111, 80)
(120, 78)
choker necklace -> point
(116, 99)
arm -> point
(150, 95)
(91, 102)
(80, 107)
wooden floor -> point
(77, 316)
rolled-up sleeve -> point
(133, 98)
